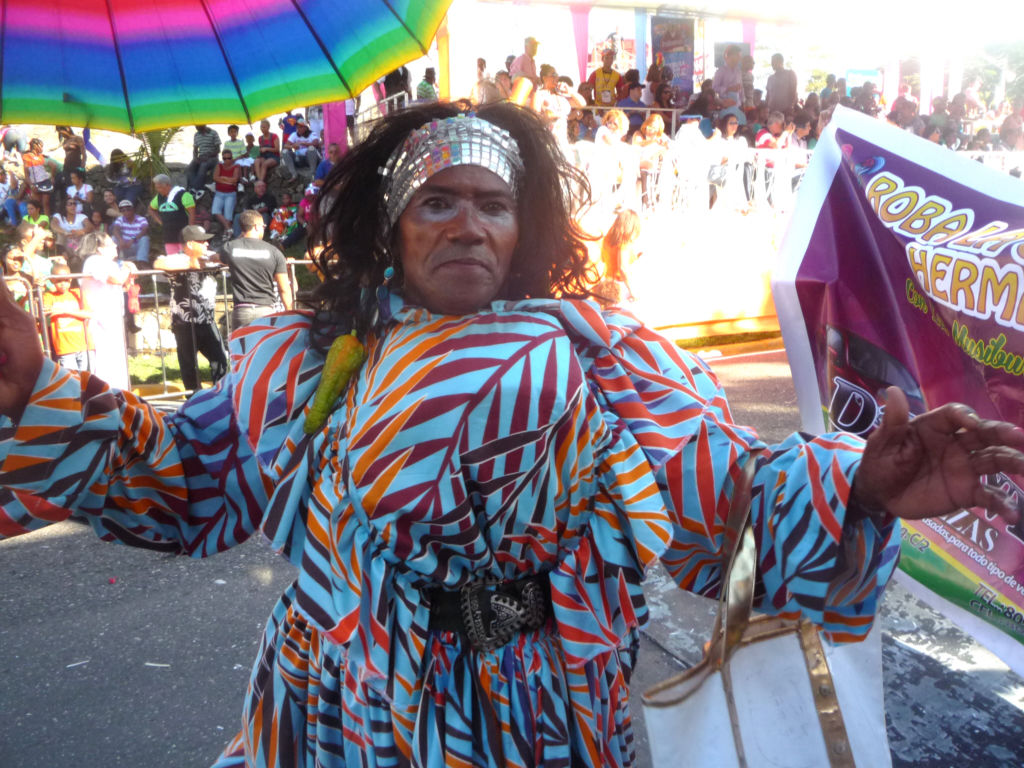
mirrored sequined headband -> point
(441, 144)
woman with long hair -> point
(69, 228)
(471, 466)
(619, 249)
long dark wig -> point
(550, 258)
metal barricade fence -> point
(680, 176)
(366, 118)
(161, 307)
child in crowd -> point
(240, 152)
(620, 248)
(284, 220)
(305, 212)
(17, 280)
(67, 322)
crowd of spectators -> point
(773, 116)
(61, 224)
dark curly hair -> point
(550, 258)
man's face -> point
(775, 128)
(608, 59)
(456, 239)
(162, 188)
(227, 157)
(128, 212)
(333, 153)
(260, 188)
(531, 47)
(232, 133)
(201, 128)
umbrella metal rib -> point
(323, 47)
(120, 66)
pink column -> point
(581, 32)
(750, 33)
(335, 126)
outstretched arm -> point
(187, 483)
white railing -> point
(682, 177)
(150, 279)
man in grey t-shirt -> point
(259, 273)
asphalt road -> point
(118, 657)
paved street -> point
(118, 657)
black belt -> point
(489, 613)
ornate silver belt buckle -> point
(492, 618)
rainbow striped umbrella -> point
(137, 65)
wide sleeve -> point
(194, 482)
(182, 483)
(811, 562)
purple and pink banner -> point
(904, 265)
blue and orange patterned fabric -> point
(537, 436)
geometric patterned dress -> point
(534, 436)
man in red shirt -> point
(772, 136)
(605, 80)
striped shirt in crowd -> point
(130, 229)
(206, 142)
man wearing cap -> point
(193, 314)
(605, 80)
(176, 209)
(131, 233)
(634, 107)
(302, 148)
(257, 269)
(427, 89)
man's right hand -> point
(21, 355)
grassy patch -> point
(145, 369)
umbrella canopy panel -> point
(136, 65)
